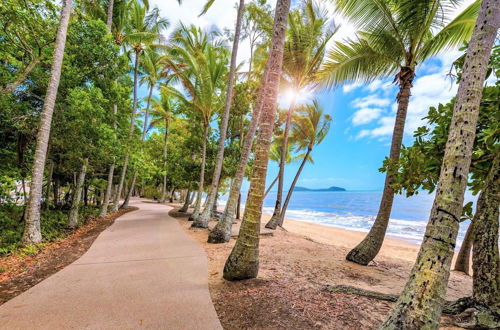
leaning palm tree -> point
(307, 36)
(275, 156)
(420, 304)
(243, 262)
(199, 63)
(162, 115)
(32, 232)
(143, 30)
(309, 129)
(394, 36)
(212, 195)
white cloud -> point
(370, 100)
(374, 85)
(428, 90)
(350, 87)
(365, 115)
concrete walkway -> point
(143, 272)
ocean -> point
(356, 210)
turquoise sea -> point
(356, 210)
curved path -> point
(143, 272)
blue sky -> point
(363, 115)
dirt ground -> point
(22, 272)
(289, 292)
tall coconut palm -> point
(222, 231)
(162, 115)
(212, 195)
(394, 37)
(144, 29)
(308, 130)
(199, 64)
(32, 233)
(152, 72)
(243, 262)
(420, 304)
(307, 36)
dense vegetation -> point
(77, 138)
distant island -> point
(332, 188)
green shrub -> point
(54, 225)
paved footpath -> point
(143, 272)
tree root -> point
(470, 313)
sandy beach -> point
(296, 264)
(392, 247)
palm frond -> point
(355, 60)
(454, 34)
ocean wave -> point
(405, 229)
(410, 230)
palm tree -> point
(143, 30)
(109, 186)
(199, 64)
(307, 37)
(152, 72)
(420, 304)
(212, 195)
(243, 262)
(222, 231)
(275, 156)
(309, 130)
(32, 232)
(162, 115)
(394, 36)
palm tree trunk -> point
(243, 262)
(165, 146)
(221, 233)
(77, 195)
(368, 249)
(116, 201)
(32, 233)
(109, 189)
(109, 19)
(171, 195)
(185, 207)
(207, 212)
(49, 182)
(290, 191)
(238, 209)
(130, 191)
(462, 264)
(107, 195)
(146, 115)
(420, 304)
(273, 222)
(271, 186)
(196, 213)
(22, 77)
(131, 131)
(486, 261)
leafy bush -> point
(54, 225)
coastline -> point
(331, 235)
